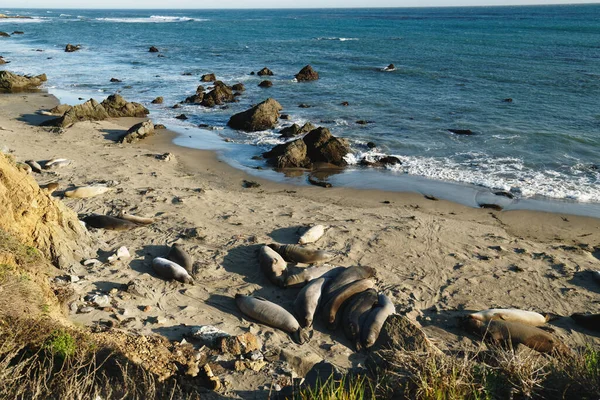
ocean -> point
(455, 69)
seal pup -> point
(34, 166)
(354, 313)
(515, 333)
(83, 192)
(167, 269)
(108, 222)
(349, 275)
(271, 314)
(299, 254)
(511, 314)
(307, 302)
(589, 321)
(310, 273)
(273, 265)
(135, 218)
(179, 256)
(375, 319)
(56, 163)
(336, 300)
(312, 235)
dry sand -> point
(435, 259)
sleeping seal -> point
(375, 319)
(589, 321)
(135, 218)
(299, 254)
(167, 269)
(34, 166)
(178, 255)
(336, 300)
(273, 266)
(312, 235)
(307, 302)
(108, 222)
(271, 314)
(310, 273)
(83, 192)
(355, 313)
(510, 314)
(347, 276)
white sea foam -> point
(341, 39)
(152, 19)
(33, 20)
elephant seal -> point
(589, 321)
(167, 269)
(51, 187)
(178, 255)
(83, 192)
(312, 235)
(273, 265)
(350, 275)
(108, 222)
(307, 302)
(135, 218)
(299, 254)
(337, 299)
(511, 314)
(355, 312)
(56, 163)
(375, 319)
(271, 314)
(25, 167)
(515, 333)
(310, 273)
(34, 166)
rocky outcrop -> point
(60, 109)
(4, 34)
(158, 100)
(258, 118)
(296, 130)
(10, 82)
(220, 94)
(318, 146)
(33, 216)
(115, 80)
(307, 74)
(238, 87)
(153, 49)
(194, 99)
(265, 72)
(114, 106)
(71, 48)
(380, 161)
(461, 131)
(208, 78)
(137, 132)
(3, 61)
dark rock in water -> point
(265, 72)
(161, 56)
(115, 80)
(307, 74)
(195, 99)
(508, 100)
(390, 67)
(260, 117)
(303, 105)
(182, 117)
(505, 194)
(158, 100)
(186, 74)
(3, 61)
(153, 49)
(159, 126)
(200, 89)
(238, 87)
(296, 130)
(10, 82)
(250, 184)
(430, 197)
(344, 103)
(4, 34)
(381, 162)
(70, 48)
(285, 116)
(461, 131)
(320, 183)
(362, 122)
(18, 33)
(220, 94)
(491, 206)
(252, 73)
(208, 78)
(137, 132)
(176, 106)
(265, 84)
(257, 158)
(371, 145)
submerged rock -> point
(153, 50)
(258, 118)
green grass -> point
(61, 344)
(348, 388)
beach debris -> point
(135, 218)
(312, 234)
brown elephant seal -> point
(350, 275)
(108, 222)
(273, 265)
(515, 333)
(51, 187)
(167, 269)
(135, 218)
(178, 255)
(299, 254)
(271, 314)
(511, 314)
(373, 324)
(337, 299)
(355, 313)
(589, 321)
(307, 302)
(310, 273)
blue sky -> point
(175, 4)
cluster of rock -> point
(295, 130)
(10, 82)
(69, 48)
(220, 93)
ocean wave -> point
(341, 39)
(152, 19)
(32, 20)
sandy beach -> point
(436, 260)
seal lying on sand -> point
(178, 255)
(56, 163)
(511, 314)
(310, 273)
(273, 266)
(589, 321)
(312, 235)
(135, 218)
(167, 269)
(347, 276)
(355, 312)
(271, 314)
(34, 166)
(375, 319)
(108, 222)
(337, 299)
(307, 302)
(299, 254)
(83, 192)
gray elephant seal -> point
(307, 302)
(589, 321)
(178, 255)
(108, 222)
(372, 325)
(299, 254)
(351, 274)
(167, 269)
(337, 299)
(515, 333)
(310, 273)
(271, 314)
(355, 312)
(273, 266)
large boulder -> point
(137, 132)
(208, 78)
(307, 74)
(10, 82)
(61, 109)
(289, 155)
(220, 94)
(117, 107)
(296, 130)
(195, 98)
(258, 118)
(265, 72)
